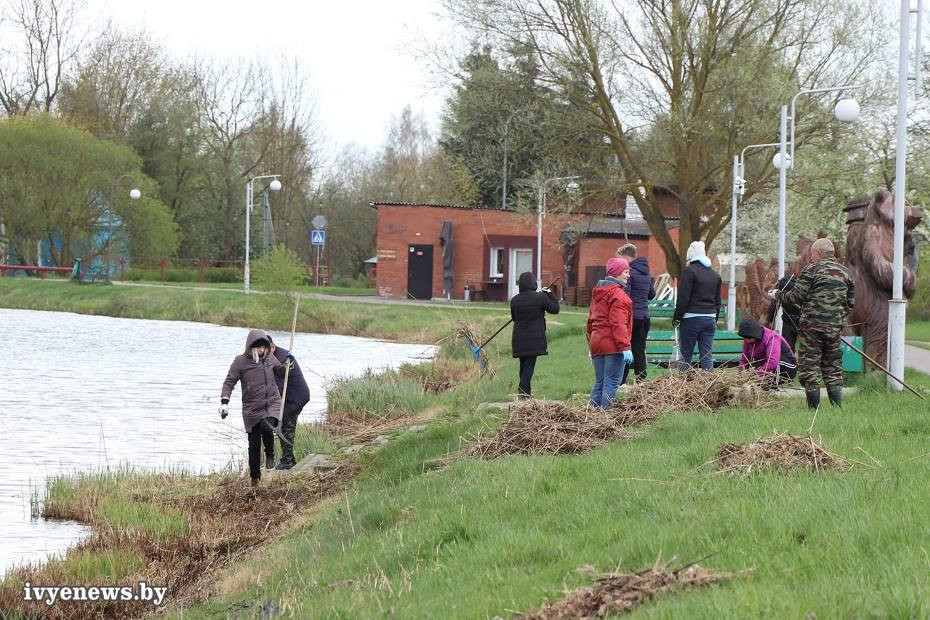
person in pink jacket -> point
(768, 353)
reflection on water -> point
(79, 393)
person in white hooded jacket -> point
(697, 307)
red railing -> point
(41, 270)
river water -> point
(81, 393)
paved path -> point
(917, 358)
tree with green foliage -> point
(55, 180)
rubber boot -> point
(269, 461)
(254, 483)
(835, 394)
(813, 397)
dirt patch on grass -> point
(225, 518)
(616, 593)
(780, 451)
(545, 427)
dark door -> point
(420, 272)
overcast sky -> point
(355, 52)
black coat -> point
(698, 291)
(639, 287)
(528, 310)
(298, 392)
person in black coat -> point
(298, 395)
(640, 289)
(528, 310)
(697, 307)
(790, 314)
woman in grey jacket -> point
(255, 369)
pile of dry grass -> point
(616, 593)
(690, 391)
(225, 518)
(780, 451)
(442, 373)
(546, 427)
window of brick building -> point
(497, 263)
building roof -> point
(619, 227)
(597, 208)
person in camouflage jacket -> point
(825, 293)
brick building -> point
(430, 251)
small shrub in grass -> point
(280, 271)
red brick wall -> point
(474, 231)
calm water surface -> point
(80, 393)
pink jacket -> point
(767, 350)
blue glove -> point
(627, 357)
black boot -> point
(813, 397)
(269, 461)
(835, 394)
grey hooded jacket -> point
(260, 397)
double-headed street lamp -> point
(274, 186)
(540, 211)
(134, 194)
(739, 188)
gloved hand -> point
(772, 293)
(224, 410)
(627, 357)
(675, 323)
(545, 289)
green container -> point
(852, 361)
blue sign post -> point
(318, 237)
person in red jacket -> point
(610, 328)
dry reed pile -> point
(224, 519)
(690, 391)
(544, 427)
(780, 451)
(616, 593)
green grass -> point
(917, 330)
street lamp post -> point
(134, 194)
(539, 220)
(274, 186)
(846, 110)
(739, 188)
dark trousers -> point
(260, 434)
(638, 346)
(288, 429)
(700, 330)
(527, 367)
(789, 332)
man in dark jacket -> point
(698, 306)
(790, 314)
(640, 289)
(296, 397)
(528, 310)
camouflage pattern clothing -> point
(288, 429)
(824, 292)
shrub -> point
(280, 271)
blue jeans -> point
(700, 330)
(608, 369)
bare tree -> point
(41, 42)
(704, 77)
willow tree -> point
(677, 87)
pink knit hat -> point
(616, 266)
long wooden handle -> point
(499, 330)
(883, 369)
(287, 368)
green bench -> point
(665, 309)
(728, 347)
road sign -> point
(319, 221)
(318, 237)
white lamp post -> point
(739, 188)
(846, 110)
(134, 194)
(539, 219)
(274, 186)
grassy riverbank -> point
(483, 538)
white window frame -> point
(493, 267)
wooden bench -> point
(665, 309)
(728, 347)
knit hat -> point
(749, 328)
(616, 266)
(696, 250)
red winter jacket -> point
(610, 318)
